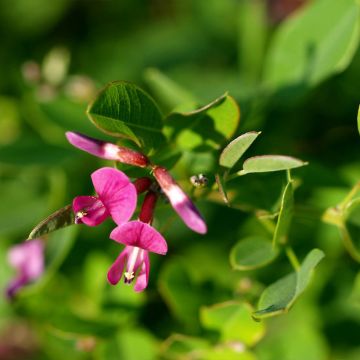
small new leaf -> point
(58, 220)
(236, 149)
(268, 163)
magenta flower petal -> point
(93, 146)
(143, 276)
(117, 268)
(180, 201)
(106, 150)
(116, 192)
(28, 259)
(139, 234)
(186, 209)
(89, 210)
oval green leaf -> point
(234, 150)
(281, 295)
(309, 46)
(123, 109)
(251, 253)
(233, 321)
(58, 220)
(268, 163)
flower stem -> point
(292, 258)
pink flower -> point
(106, 150)
(28, 259)
(116, 198)
(180, 201)
(139, 238)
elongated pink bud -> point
(106, 150)
(180, 201)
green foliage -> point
(236, 148)
(251, 253)
(198, 304)
(281, 295)
(266, 163)
(61, 218)
(122, 109)
(233, 321)
(285, 215)
(210, 126)
(302, 56)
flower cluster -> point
(116, 197)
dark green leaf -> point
(123, 109)
(59, 219)
(251, 253)
(281, 295)
(234, 150)
(267, 163)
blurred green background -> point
(294, 68)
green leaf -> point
(281, 295)
(233, 321)
(309, 46)
(222, 188)
(209, 126)
(285, 215)
(59, 219)
(123, 109)
(252, 44)
(236, 149)
(168, 91)
(251, 253)
(358, 119)
(174, 285)
(177, 346)
(267, 163)
(228, 353)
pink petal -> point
(186, 209)
(28, 258)
(139, 234)
(93, 146)
(117, 268)
(89, 210)
(180, 201)
(143, 276)
(116, 192)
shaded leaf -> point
(59, 219)
(358, 119)
(171, 94)
(267, 163)
(285, 215)
(309, 47)
(281, 295)
(236, 148)
(222, 188)
(251, 253)
(209, 126)
(177, 346)
(233, 321)
(123, 109)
